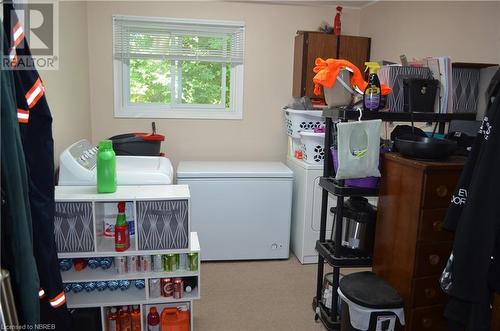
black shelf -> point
(346, 257)
(334, 187)
(349, 114)
(324, 316)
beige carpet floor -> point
(257, 296)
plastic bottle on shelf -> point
(112, 320)
(136, 318)
(122, 238)
(124, 319)
(106, 167)
(153, 319)
(373, 93)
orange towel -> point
(328, 70)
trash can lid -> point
(368, 290)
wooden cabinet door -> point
(355, 49)
(318, 45)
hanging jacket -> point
(35, 122)
(17, 241)
(474, 215)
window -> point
(178, 68)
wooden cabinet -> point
(495, 319)
(311, 45)
(411, 249)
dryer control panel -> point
(84, 154)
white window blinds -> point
(176, 39)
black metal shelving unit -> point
(332, 251)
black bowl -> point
(425, 147)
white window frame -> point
(123, 108)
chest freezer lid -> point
(232, 169)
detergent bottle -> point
(372, 93)
(106, 167)
(153, 320)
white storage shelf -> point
(88, 217)
(89, 275)
(132, 296)
(144, 309)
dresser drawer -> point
(427, 292)
(428, 319)
(429, 228)
(439, 187)
(431, 258)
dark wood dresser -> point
(410, 249)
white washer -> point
(241, 210)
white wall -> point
(67, 89)
(270, 31)
(80, 93)
(468, 31)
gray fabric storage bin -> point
(73, 227)
(465, 89)
(162, 224)
(393, 77)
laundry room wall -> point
(468, 31)
(270, 31)
(67, 89)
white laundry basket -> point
(302, 120)
(312, 146)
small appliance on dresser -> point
(411, 249)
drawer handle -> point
(429, 293)
(427, 323)
(441, 191)
(437, 226)
(434, 259)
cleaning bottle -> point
(112, 320)
(122, 238)
(124, 319)
(136, 318)
(372, 93)
(106, 167)
(153, 320)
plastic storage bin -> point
(302, 120)
(369, 303)
(312, 146)
(138, 144)
(162, 224)
(339, 94)
(73, 227)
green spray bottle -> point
(106, 167)
(372, 93)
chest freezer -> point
(77, 166)
(241, 210)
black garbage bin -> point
(369, 303)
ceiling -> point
(316, 3)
